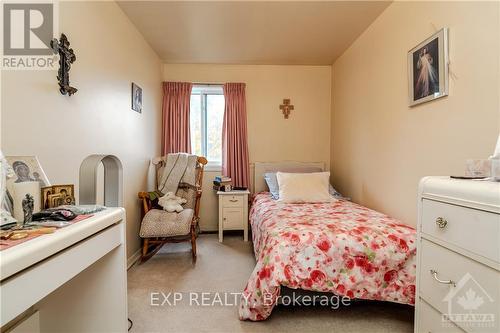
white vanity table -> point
(73, 280)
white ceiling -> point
(253, 32)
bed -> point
(339, 247)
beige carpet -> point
(225, 267)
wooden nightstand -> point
(233, 212)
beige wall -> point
(305, 136)
(62, 130)
(380, 146)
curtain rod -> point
(207, 84)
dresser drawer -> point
(473, 230)
(232, 218)
(431, 321)
(232, 201)
(467, 274)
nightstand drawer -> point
(232, 218)
(232, 201)
(462, 274)
(460, 226)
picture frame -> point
(26, 169)
(45, 192)
(136, 98)
(428, 69)
(56, 195)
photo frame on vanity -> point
(26, 169)
(428, 69)
(22, 197)
(57, 195)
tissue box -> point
(478, 168)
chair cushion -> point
(189, 194)
(159, 223)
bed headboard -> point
(260, 168)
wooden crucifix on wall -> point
(66, 58)
(286, 107)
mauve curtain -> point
(234, 135)
(175, 130)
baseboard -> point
(133, 258)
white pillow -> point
(304, 187)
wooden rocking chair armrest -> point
(146, 202)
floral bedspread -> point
(337, 247)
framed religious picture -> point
(57, 195)
(44, 196)
(428, 69)
(136, 98)
(26, 169)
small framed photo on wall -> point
(136, 98)
(428, 69)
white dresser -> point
(73, 280)
(233, 212)
(458, 270)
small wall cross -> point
(286, 107)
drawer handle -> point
(233, 200)
(435, 273)
(441, 222)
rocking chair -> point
(159, 227)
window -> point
(207, 112)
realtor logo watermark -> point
(28, 28)
(469, 305)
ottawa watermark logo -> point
(28, 29)
(470, 306)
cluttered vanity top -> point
(15, 259)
